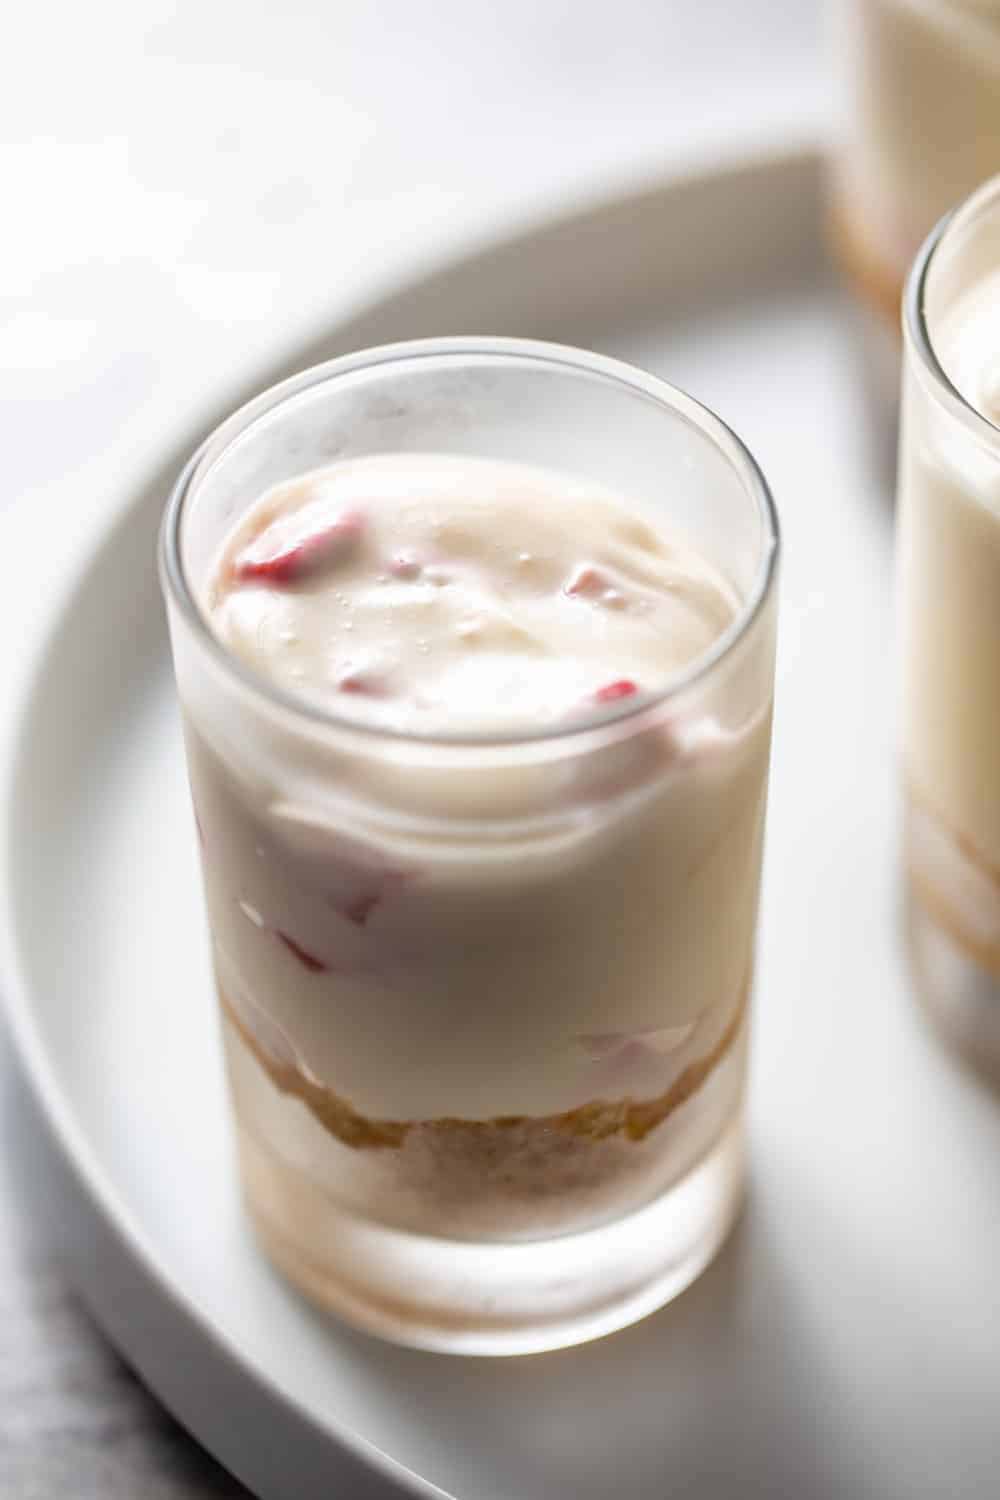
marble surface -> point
(185, 182)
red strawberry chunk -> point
(623, 687)
(364, 680)
(360, 909)
(308, 960)
(405, 565)
(284, 562)
(587, 582)
(371, 887)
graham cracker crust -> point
(880, 285)
(986, 955)
(626, 1119)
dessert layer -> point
(967, 342)
(503, 931)
(424, 591)
(955, 883)
(631, 1119)
(950, 582)
(512, 976)
(513, 1178)
(926, 108)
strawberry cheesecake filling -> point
(506, 989)
(950, 575)
(456, 595)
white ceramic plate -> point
(847, 1342)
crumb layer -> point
(880, 285)
(941, 911)
(598, 1120)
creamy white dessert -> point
(924, 129)
(950, 574)
(508, 997)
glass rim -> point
(919, 338)
(176, 586)
(973, 22)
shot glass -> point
(485, 997)
(949, 570)
(921, 130)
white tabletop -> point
(185, 185)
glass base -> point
(463, 1297)
(960, 996)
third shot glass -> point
(949, 567)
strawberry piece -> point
(360, 909)
(363, 680)
(587, 582)
(290, 561)
(371, 890)
(308, 960)
(623, 687)
(405, 565)
(601, 1044)
(597, 585)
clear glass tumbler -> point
(508, 1115)
(949, 564)
(921, 130)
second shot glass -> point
(949, 569)
(485, 997)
